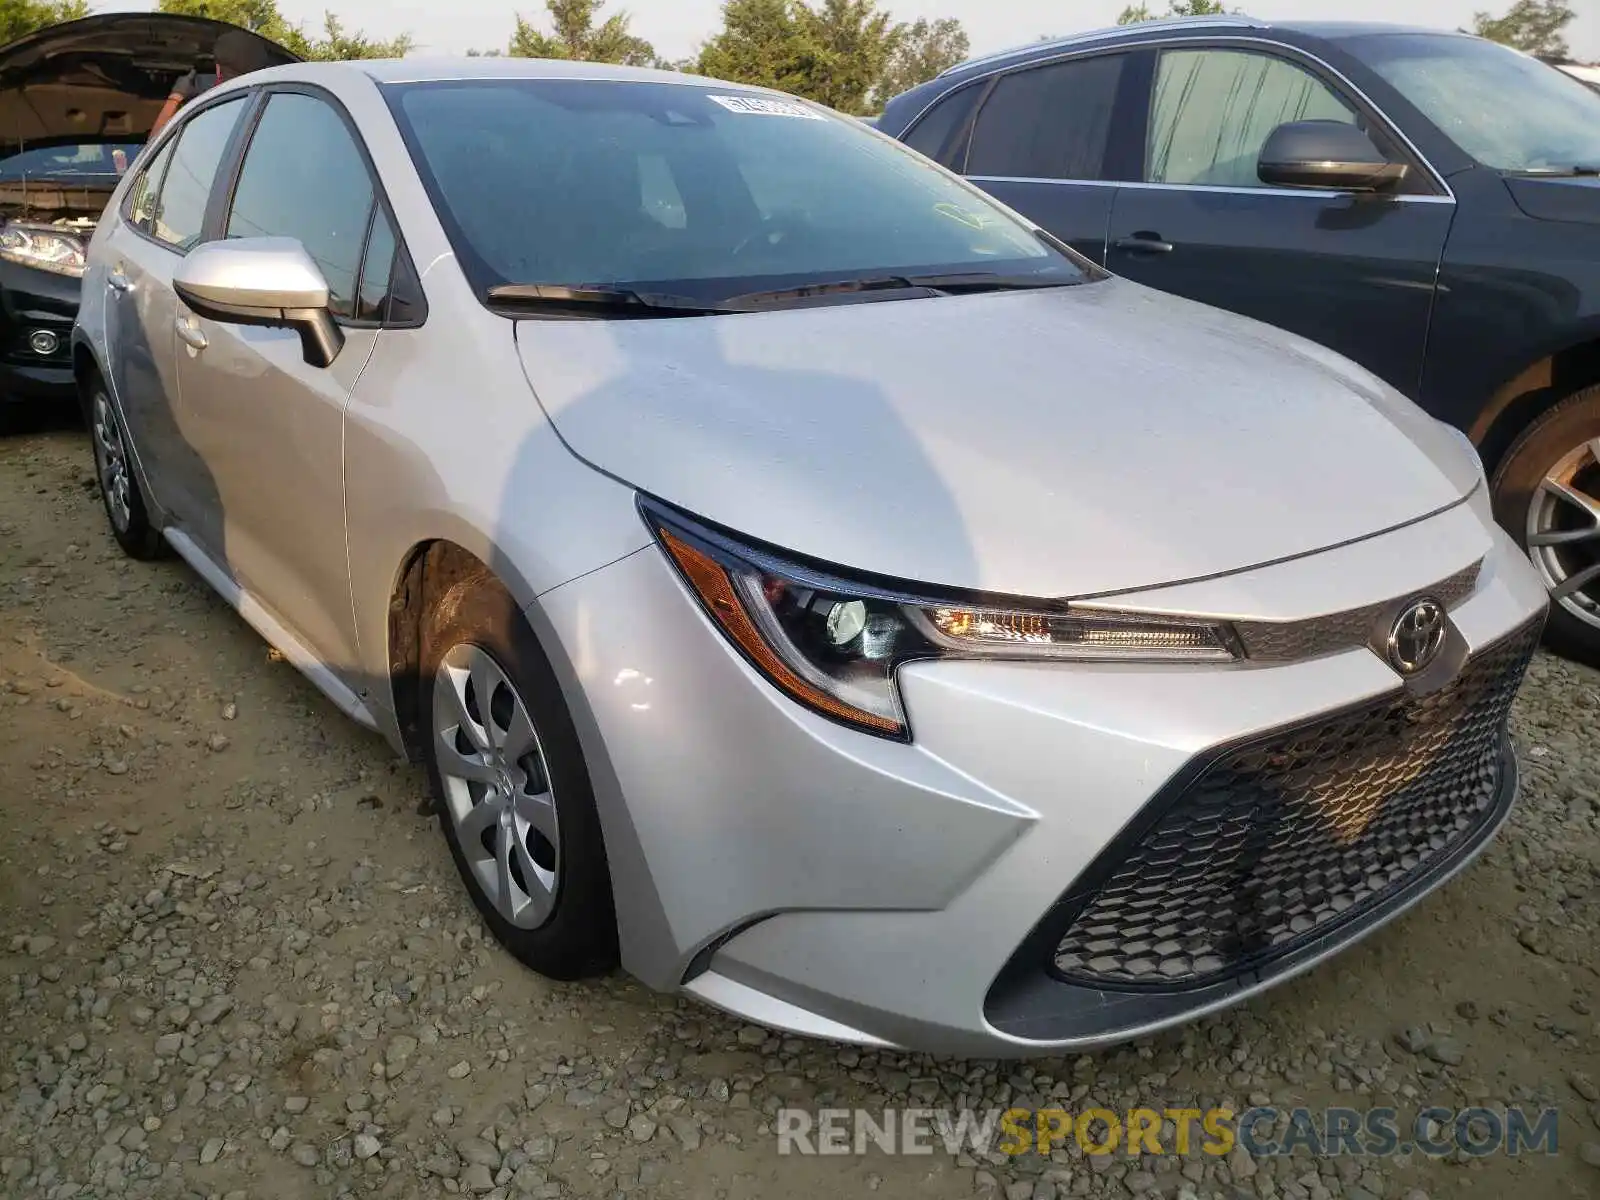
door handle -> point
(191, 334)
(119, 280)
(1144, 242)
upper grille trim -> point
(1295, 641)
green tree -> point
(258, 16)
(263, 17)
(762, 42)
(855, 43)
(837, 52)
(926, 49)
(1136, 13)
(335, 45)
(577, 36)
(18, 18)
(1536, 26)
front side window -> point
(1048, 122)
(304, 177)
(180, 215)
(1213, 111)
(691, 189)
(1507, 110)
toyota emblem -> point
(1417, 636)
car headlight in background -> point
(834, 644)
(42, 248)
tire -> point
(1563, 447)
(120, 494)
(475, 641)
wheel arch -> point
(1532, 392)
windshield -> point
(1507, 110)
(696, 190)
(58, 162)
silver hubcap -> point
(1564, 532)
(497, 787)
(111, 459)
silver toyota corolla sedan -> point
(806, 583)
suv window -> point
(1214, 109)
(304, 177)
(180, 212)
(1048, 122)
(942, 133)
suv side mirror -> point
(1326, 154)
(262, 281)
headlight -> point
(42, 248)
(835, 644)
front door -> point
(1355, 273)
(270, 425)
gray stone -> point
(211, 1151)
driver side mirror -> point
(262, 281)
(1326, 154)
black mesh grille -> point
(1275, 842)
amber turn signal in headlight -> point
(835, 645)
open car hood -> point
(101, 79)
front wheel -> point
(512, 789)
(1547, 494)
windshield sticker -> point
(762, 106)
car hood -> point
(1557, 198)
(1070, 442)
(101, 79)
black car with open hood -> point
(77, 102)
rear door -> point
(1037, 139)
(163, 218)
(1356, 273)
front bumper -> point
(33, 301)
(814, 879)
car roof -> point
(1221, 23)
(426, 69)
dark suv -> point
(1425, 203)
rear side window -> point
(942, 132)
(180, 214)
(146, 191)
(304, 177)
(1048, 122)
(1214, 110)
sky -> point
(677, 27)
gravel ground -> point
(235, 962)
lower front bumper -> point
(33, 301)
(31, 383)
(814, 879)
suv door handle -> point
(1144, 242)
(119, 279)
(191, 334)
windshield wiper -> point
(1580, 169)
(616, 301)
(956, 283)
